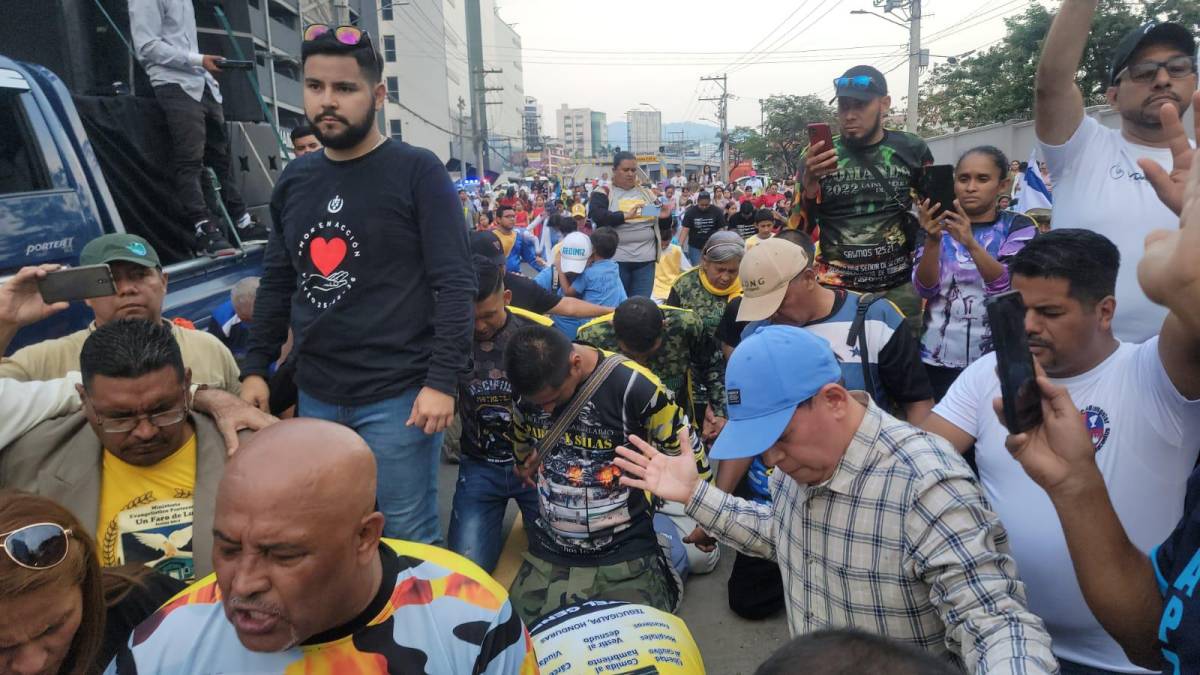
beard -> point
(352, 135)
(1146, 115)
(867, 135)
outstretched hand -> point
(1170, 185)
(1058, 453)
(671, 477)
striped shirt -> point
(899, 541)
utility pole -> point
(479, 88)
(462, 158)
(914, 64)
(341, 11)
(917, 57)
(679, 143)
(722, 108)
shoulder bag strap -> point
(877, 175)
(585, 393)
(858, 334)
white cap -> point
(575, 252)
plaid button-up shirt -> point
(899, 541)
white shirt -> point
(1099, 186)
(678, 181)
(26, 404)
(164, 35)
(1146, 436)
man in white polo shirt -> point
(1100, 173)
(1141, 404)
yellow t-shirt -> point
(146, 513)
(754, 240)
(667, 270)
(506, 240)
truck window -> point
(21, 165)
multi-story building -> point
(584, 132)
(643, 133)
(424, 44)
(532, 126)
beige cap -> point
(765, 272)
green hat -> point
(119, 248)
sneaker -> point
(250, 231)
(210, 241)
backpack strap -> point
(858, 335)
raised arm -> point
(1058, 102)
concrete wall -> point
(1016, 139)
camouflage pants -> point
(542, 587)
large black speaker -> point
(237, 12)
(72, 38)
(239, 101)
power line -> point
(786, 38)
(768, 35)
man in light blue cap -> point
(875, 524)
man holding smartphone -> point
(1141, 405)
(858, 193)
(164, 37)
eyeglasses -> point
(855, 82)
(1177, 67)
(39, 546)
(124, 425)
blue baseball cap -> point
(769, 374)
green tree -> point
(784, 135)
(997, 84)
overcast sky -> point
(613, 55)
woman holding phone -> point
(963, 261)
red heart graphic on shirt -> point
(327, 254)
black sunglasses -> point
(39, 546)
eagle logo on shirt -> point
(1097, 424)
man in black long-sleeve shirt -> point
(368, 262)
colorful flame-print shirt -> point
(435, 612)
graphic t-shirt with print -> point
(434, 612)
(587, 516)
(146, 513)
(485, 394)
(956, 327)
(1177, 568)
(866, 241)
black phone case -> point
(1014, 363)
(937, 185)
(77, 283)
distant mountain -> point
(693, 131)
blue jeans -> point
(406, 460)
(637, 278)
(1072, 668)
(480, 497)
(693, 255)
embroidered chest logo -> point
(1097, 424)
(329, 246)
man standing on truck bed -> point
(368, 262)
(164, 36)
(141, 286)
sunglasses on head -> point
(347, 35)
(855, 82)
(1177, 67)
(39, 546)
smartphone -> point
(231, 64)
(1014, 364)
(77, 283)
(936, 183)
(820, 131)
(651, 210)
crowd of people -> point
(800, 374)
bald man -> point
(301, 566)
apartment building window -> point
(393, 88)
(385, 10)
(389, 48)
(397, 131)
